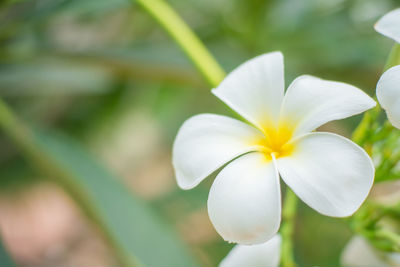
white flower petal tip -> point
(359, 253)
(205, 143)
(255, 88)
(262, 255)
(388, 93)
(244, 203)
(311, 102)
(389, 25)
(330, 173)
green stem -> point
(287, 228)
(214, 74)
(361, 132)
(391, 236)
(24, 138)
(394, 57)
(368, 216)
(186, 39)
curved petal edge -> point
(205, 143)
(329, 173)
(255, 89)
(244, 203)
(388, 94)
(266, 254)
(311, 102)
(389, 25)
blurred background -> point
(104, 77)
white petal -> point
(389, 25)
(328, 172)
(359, 253)
(244, 203)
(255, 89)
(311, 102)
(388, 93)
(205, 143)
(262, 255)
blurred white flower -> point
(388, 94)
(389, 25)
(263, 255)
(359, 253)
(328, 172)
(388, 88)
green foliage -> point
(70, 65)
(129, 222)
(5, 259)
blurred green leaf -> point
(93, 6)
(137, 235)
(5, 259)
(52, 77)
(132, 225)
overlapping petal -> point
(311, 102)
(329, 173)
(205, 143)
(262, 255)
(389, 25)
(388, 93)
(255, 89)
(244, 203)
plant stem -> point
(25, 139)
(365, 218)
(287, 228)
(214, 74)
(394, 57)
(361, 132)
(393, 237)
(186, 39)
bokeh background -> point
(105, 75)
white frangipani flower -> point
(328, 172)
(359, 253)
(388, 94)
(389, 25)
(388, 88)
(262, 255)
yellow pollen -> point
(276, 141)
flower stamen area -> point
(276, 141)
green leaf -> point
(5, 259)
(137, 235)
(131, 224)
(52, 77)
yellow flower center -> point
(276, 141)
